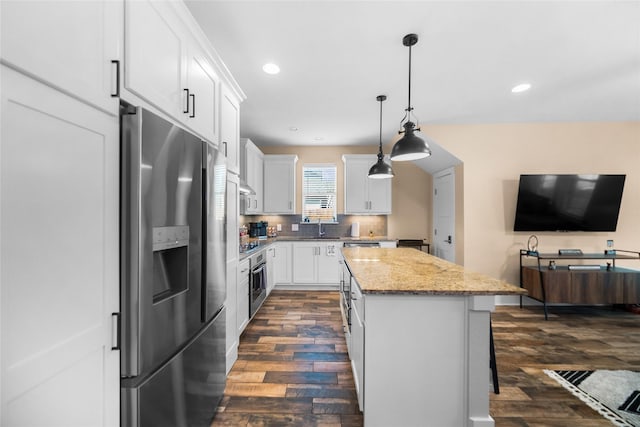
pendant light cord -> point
(409, 104)
(380, 128)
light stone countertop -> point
(409, 271)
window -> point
(319, 193)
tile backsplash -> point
(368, 223)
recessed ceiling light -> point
(318, 138)
(293, 129)
(271, 68)
(522, 87)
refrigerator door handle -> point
(115, 331)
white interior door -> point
(444, 245)
(58, 259)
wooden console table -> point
(580, 284)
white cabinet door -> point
(70, 45)
(271, 266)
(59, 283)
(363, 195)
(203, 90)
(357, 343)
(316, 263)
(356, 195)
(252, 170)
(155, 66)
(283, 263)
(329, 267)
(305, 264)
(379, 196)
(231, 305)
(242, 296)
(230, 129)
(280, 184)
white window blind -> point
(319, 193)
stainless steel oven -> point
(257, 282)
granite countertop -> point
(409, 271)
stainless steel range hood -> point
(244, 189)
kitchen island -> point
(419, 340)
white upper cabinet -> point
(280, 184)
(68, 45)
(155, 65)
(230, 129)
(202, 94)
(168, 67)
(251, 169)
(363, 195)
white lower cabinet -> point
(356, 347)
(281, 270)
(316, 263)
(271, 266)
(242, 296)
(404, 381)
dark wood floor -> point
(293, 367)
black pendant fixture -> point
(410, 146)
(381, 170)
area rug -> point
(614, 394)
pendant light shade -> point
(380, 170)
(410, 146)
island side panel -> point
(479, 372)
(416, 360)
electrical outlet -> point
(279, 227)
(294, 227)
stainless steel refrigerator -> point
(173, 265)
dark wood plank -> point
(293, 368)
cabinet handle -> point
(290, 205)
(186, 108)
(193, 104)
(115, 331)
(117, 64)
(255, 204)
(225, 148)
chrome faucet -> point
(320, 232)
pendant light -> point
(380, 170)
(410, 146)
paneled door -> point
(59, 274)
(444, 245)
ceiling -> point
(582, 59)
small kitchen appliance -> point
(258, 229)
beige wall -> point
(411, 187)
(493, 158)
(495, 155)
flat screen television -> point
(568, 202)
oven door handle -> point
(259, 268)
